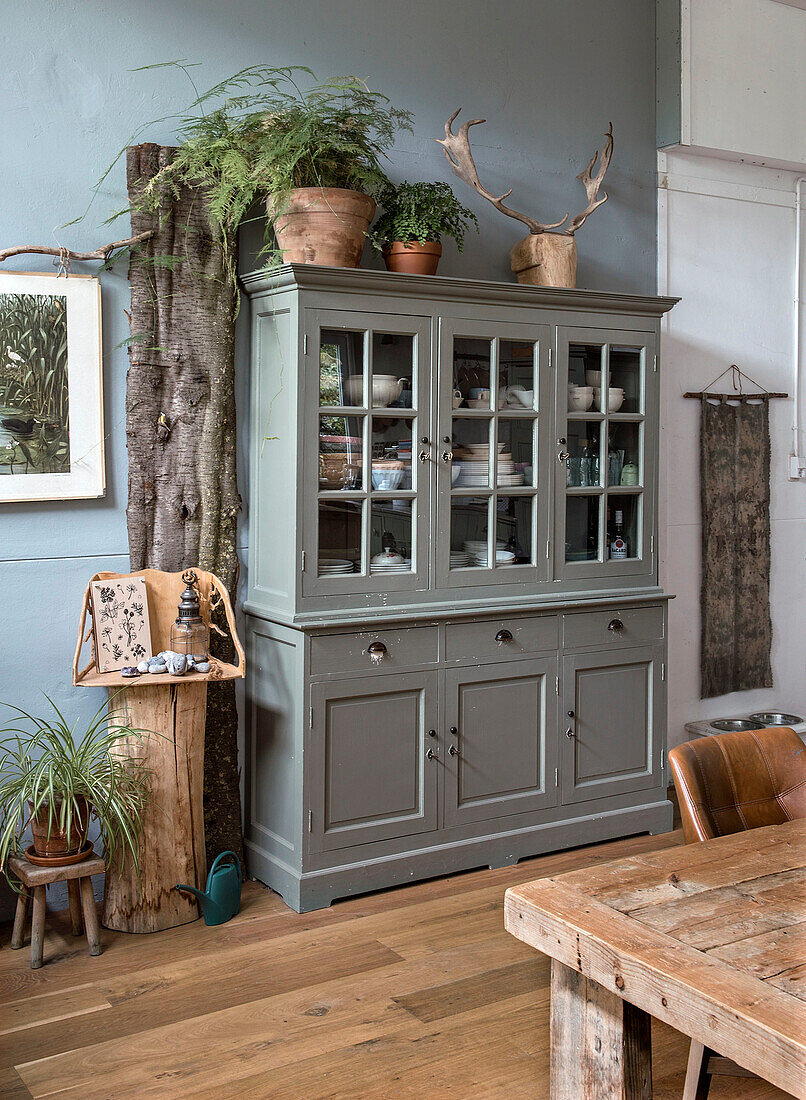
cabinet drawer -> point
(626, 626)
(477, 641)
(339, 653)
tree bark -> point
(180, 428)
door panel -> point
(606, 417)
(370, 778)
(504, 748)
(368, 405)
(613, 706)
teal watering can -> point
(222, 898)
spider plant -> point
(56, 775)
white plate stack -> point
(476, 467)
(477, 552)
(378, 567)
(334, 567)
(460, 559)
(502, 557)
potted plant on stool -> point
(415, 218)
(56, 780)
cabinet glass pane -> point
(516, 452)
(626, 379)
(390, 536)
(339, 537)
(585, 365)
(471, 452)
(393, 370)
(516, 375)
(514, 530)
(582, 528)
(624, 525)
(341, 367)
(391, 453)
(469, 527)
(624, 454)
(472, 366)
(340, 452)
(584, 459)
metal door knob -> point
(453, 750)
(454, 731)
(570, 713)
(424, 439)
(503, 636)
(569, 733)
(377, 650)
(431, 755)
(615, 625)
(432, 733)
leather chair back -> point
(730, 782)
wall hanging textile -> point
(736, 628)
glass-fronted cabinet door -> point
(366, 476)
(491, 453)
(605, 460)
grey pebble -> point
(202, 666)
(177, 664)
(157, 669)
(129, 670)
(143, 666)
(156, 660)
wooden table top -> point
(710, 938)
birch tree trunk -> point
(180, 427)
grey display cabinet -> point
(449, 666)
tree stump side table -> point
(36, 880)
(174, 708)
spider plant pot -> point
(54, 842)
(322, 225)
(413, 258)
(545, 259)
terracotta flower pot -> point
(322, 225)
(56, 844)
(413, 258)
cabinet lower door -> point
(613, 708)
(500, 751)
(370, 775)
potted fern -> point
(314, 157)
(55, 778)
(415, 218)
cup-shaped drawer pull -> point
(615, 626)
(503, 636)
(377, 651)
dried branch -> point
(67, 254)
(460, 158)
(593, 183)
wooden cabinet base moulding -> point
(173, 709)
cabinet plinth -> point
(453, 499)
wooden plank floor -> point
(411, 993)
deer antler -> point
(593, 183)
(457, 150)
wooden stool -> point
(78, 877)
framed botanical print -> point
(51, 396)
(120, 622)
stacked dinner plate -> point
(460, 559)
(334, 567)
(377, 567)
(502, 557)
(476, 467)
(476, 550)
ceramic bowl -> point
(386, 479)
(615, 399)
(478, 403)
(580, 398)
(456, 469)
(526, 397)
(385, 389)
(593, 377)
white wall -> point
(726, 246)
(743, 79)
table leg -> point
(74, 898)
(600, 1045)
(20, 913)
(38, 927)
(90, 915)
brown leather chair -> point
(725, 784)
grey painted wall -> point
(548, 75)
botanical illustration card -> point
(120, 621)
(51, 408)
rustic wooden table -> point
(710, 938)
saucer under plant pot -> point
(413, 258)
(415, 218)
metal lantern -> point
(189, 633)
